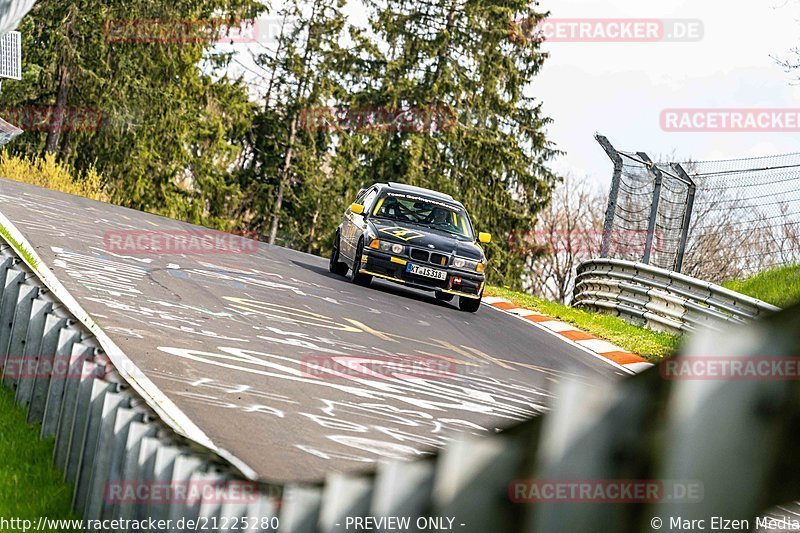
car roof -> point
(402, 187)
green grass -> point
(651, 345)
(779, 286)
(19, 248)
(30, 486)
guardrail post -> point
(472, 482)
(183, 474)
(210, 510)
(402, 488)
(300, 509)
(344, 496)
(114, 404)
(57, 388)
(33, 341)
(8, 307)
(45, 369)
(162, 477)
(137, 432)
(651, 225)
(73, 433)
(90, 456)
(19, 330)
(687, 215)
(613, 194)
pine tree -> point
(459, 78)
(289, 149)
(162, 129)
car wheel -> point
(356, 276)
(444, 296)
(469, 304)
(335, 266)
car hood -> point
(422, 237)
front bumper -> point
(393, 268)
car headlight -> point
(466, 264)
(392, 247)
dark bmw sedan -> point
(418, 237)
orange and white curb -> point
(612, 353)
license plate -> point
(428, 272)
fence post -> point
(611, 210)
(651, 225)
(687, 215)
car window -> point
(361, 194)
(368, 199)
(424, 212)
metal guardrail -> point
(646, 427)
(661, 299)
(105, 430)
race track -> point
(293, 370)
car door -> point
(352, 225)
(360, 221)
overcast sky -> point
(620, 89)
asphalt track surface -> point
(293, 370)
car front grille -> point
(419, 255)
(429, 257)
(439, 259)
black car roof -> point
(401, 187)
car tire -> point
(469, 305)
(356, 276)
(334, 265)
(444, 296)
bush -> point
(48, 173)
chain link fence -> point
(649, 210)
(11, 68)
(713, 220)
(746, 216)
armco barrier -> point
(732, 439)
(106, 420)
(661, 299)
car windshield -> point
(425, 212)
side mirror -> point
(484, 237)
(356, 208)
